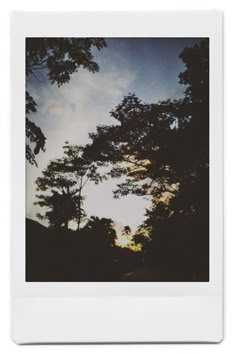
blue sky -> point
(148, 67)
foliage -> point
(101, 231)
(162, 152)
(58, 58)
(159, 147)
(63, 182)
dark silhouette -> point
(89, 254)
(162, 150)
(63, 182)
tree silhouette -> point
(162, 151)
(157, 146)
(126, 231)
(58, 59)
(101, 231)
(63, 182)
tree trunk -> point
(79, 211)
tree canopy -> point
(162, 147)
(63, 182)
(58, 58)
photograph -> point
(117, 159)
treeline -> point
(88, 255)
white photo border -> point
(117, 311)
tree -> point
(101, 231)
(63, 182)
(58, 59)
(127, 231)
(160, 147)
(142, 147)
(162, 151)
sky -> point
(148, 67)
